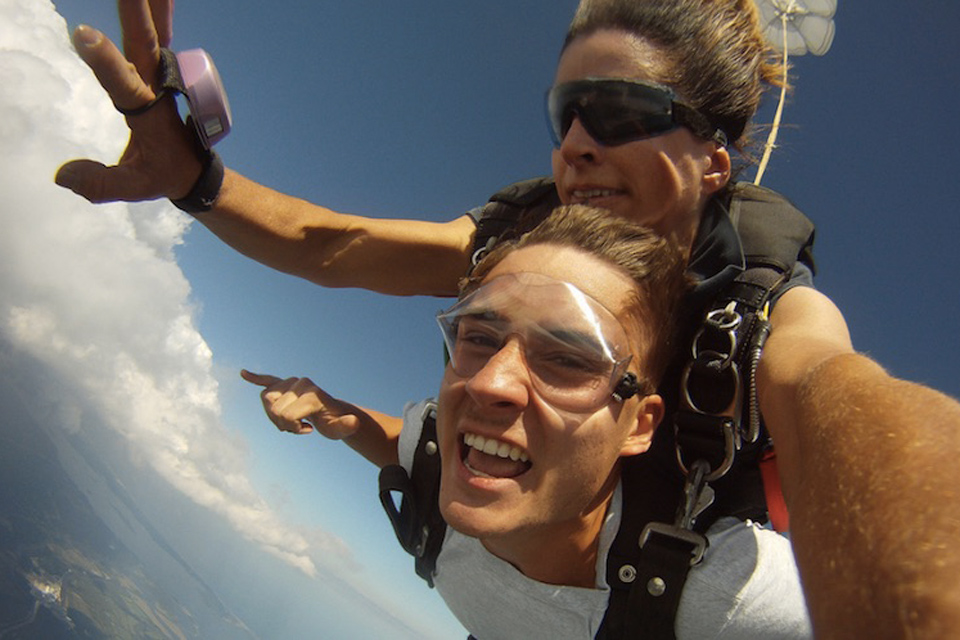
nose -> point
(578, 146)
(504, 380)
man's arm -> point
(299, 406)
(870, 474)
(402, 257)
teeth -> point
(586, 194)
(493, 447)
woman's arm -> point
(400, 257)
(403, 257)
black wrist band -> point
(169, 79)
(206, 189)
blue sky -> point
(422, 109)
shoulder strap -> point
(718, 419)
(418, 524)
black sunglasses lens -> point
(612, 111)
(616, 121)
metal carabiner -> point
(731, 444)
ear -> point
(649, 413)
(717, 173)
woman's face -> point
(663, 181)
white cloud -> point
(94, 295)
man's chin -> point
(476, 521)
(463, 519)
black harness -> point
(705, 467)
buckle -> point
(429, 411)
(697, 542)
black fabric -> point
(513, 210)
(649, 613)
(751, 209)
(206, 189)
(169, 79)
(418, 525)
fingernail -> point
(84, 36)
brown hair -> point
(656, 266)
(717, 57)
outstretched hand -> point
(298, 405)
(160, 159)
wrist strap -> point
(169, 79)
(204, 193)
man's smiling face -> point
(513, 462)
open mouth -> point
(489, 458)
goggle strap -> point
(698, 123)
(627, 387)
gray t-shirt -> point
(747, 585)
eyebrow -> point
(582, 340)
(484, 315)
(586, 341)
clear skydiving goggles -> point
(616, 111)
(575, 350)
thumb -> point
(99, 183)
(84, 177)
(259, 379)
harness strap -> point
(719, 415)
(648, 609)
(631, 566)
(419, 527)
(654, 600)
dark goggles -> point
(617, 111)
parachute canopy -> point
(807, 24)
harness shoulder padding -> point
(773, 232)
(514, 210)
(418, 524)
